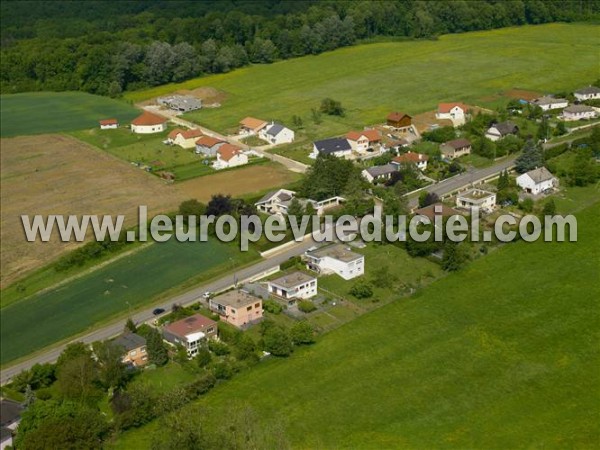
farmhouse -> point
(454, 111)
(361, 141)
(418, 160)
(399, 120)
(108, 124)
(500, 130)
(238, 308)
(208, 145)
(437, 209)
(293, 286)
(182, 103)
(537, 181)
(578, 112)
(147, 123)
(336, 258)
(339, 147)
(479, 198)
(190, 332)
(378, 173)
(184, 138)
(275, 202)
(229, 155)
(276, 134)
(251, 126)
(455, 148)
(547, 103)
(587, 93)
(134, 349)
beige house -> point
(184, 138)
(134, 349)
(456, 148)
(238, 308)
(479, 198)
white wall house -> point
(456, 112)
(418, 160)
(276, 202)
(251, 126)
(537, 181)
(336, 258)
(547, 103)
(148, 123)
(228, 156)
(579, 112)
(361, 141)
(208, 145)
(588, 93)
(108, 124)
(379, 173)
(295, 285)
(276, 134)
(339, 147)
(479, 198)
(501, 130)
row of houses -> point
(273, 133)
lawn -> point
(136, 280)
(51, 112)
(503, 354)
(372, 80)
(163, 379)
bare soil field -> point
(522, 94)
(208, 95)
(55, 174)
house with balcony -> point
(336, 258)
(484, 200)
(190, 332)
(293, 286)
(237, 307)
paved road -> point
(189, 297)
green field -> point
(132, 281)
(503, 354)
(52, 112)
(372, 80)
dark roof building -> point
(333, 145)
(130, 341)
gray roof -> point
(378, 171)
(275, 129)
(547, 100)
(10, 412)
(236, 299)
(293, 279)
(506, 128)
(280, 196)
(579, 109)
(333, 145)
(130, 341)
(335, 251)
(458, 143)
(540, 175)
(588, 90)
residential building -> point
(587, 93)
(10, 416)
(437, 209)
(276, 134)
(208, 145)
(456, 112)
(418, 160)
(148, 123)
(578, 112)
(134, 349)
(251, 126)
(190, 332)
(537, 181)
(238, 308)
(399, 120)
(293, 286)
(379, 173)
(181, 103)
(500, 130)
(336, 258)
(108, 124)
(275, 202)
(339, 147)
(228, 156)
(547, 103)
(456, 148)
(484, 200)
(184, 138)
(361, 141)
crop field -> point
(468, 362)
(48, 317)
(479, 68)
(52, 112)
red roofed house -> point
(184, 138)
(417, 159)
(190, 331)
(453, 111)
(208, 145)
(148, 123)
(399, 120)
(108, 124)
(229, 155)
(251, 125)
(361, 141)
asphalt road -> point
(186, 298)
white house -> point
(336, 258)
(378, 173)
(361, 141)
(578, 112)
(588, 93)
(500, 130)
(276, 202)
(250, 126)
(547, 103)
(108, 124)
(184, 138)
(229, 155)
(148, 123)
(338, 147)
(419, 160)
(208, 145)
(484, 200)
(276, 134)
(293, 286)
(455, 112)
(537, 181)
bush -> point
(200, 386)
(223, 370)
(526, 205)
(306, 306)
(303, 333)
(277, 341)
(203, 357)
(218, 348)
(361, 289)
(272, 306)
(292, 262)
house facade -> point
(228, 156)
(134, 349)
(276, 134)
(587, 93)
(456, 148)
(208, 145)
(276, 202)
(548, 103)
(500, 130)
(108, 124)
(379, 173)
(361, 141)
(419, 160)
(537, 181)
(184, 138)
(579, 112)
(148, 123)
(336, 258)
(250, 126)
(190, 332)
(456, 112)
(399, 120)
(293, 286)
(484, 200)
(338, 147)
(238, 308)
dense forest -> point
(106, 47)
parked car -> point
(206, 295)
(158, 311)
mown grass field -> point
(133, 281)
(51, 112)
(372, 80)
(503, 354)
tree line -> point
(108, 47)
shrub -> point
(292, 262)
(272, 306)
(303, 333)
(200, 386)
(526, 205)
(277, 341)
(218, 348)
(306, 306)
(361, 289)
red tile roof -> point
(109, 122)
(411, 157)
(208, 141)
(189, 134)
(397, 116)
(228, 151)
(371, 135)
(253, 124)
(190, 325)
(147, 118)
(173, 134)
(446, 107)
